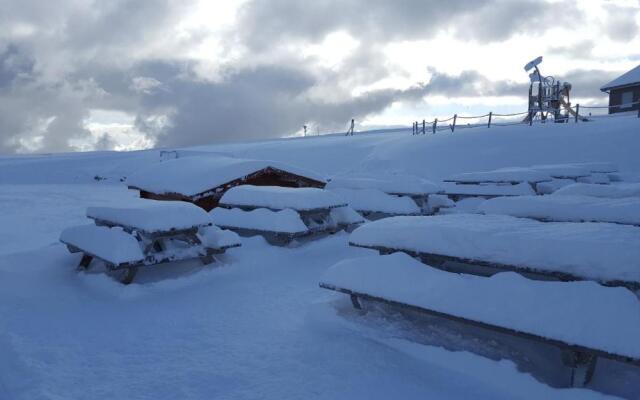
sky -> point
(80, 75)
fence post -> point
(530, 118)
(453, 127)
(490, 114)
(435, 125)
(413, 128)
(423, 126)
(577, 111)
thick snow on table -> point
(345, 216)
(487, 189)
(599, 167)
(604, 252)
(512, 174)
(110, 244)
(552, 186)
(396, 184)
(567, 208)
(190, 176)
(617, 190)
(563, 170)
(261, 219)
(153, 216)
(216, 238)
(374, 200)
(279, 198)
(580, 313)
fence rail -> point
(433, 126)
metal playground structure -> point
(547, 96)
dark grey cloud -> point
(266, 23)
(261, 102)
(582, 49)
(587, 82)
(60, 59)
(472, 84)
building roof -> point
(191, 176)
(628, 78)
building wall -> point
(615, 98)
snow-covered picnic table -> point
(279, 198)
(513, 175)
(608, 253)
(583, 318)
(617, 190)
(282, 214)
(386, 195)
(405, 185)
(147, 233)
(567, 208)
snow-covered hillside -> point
(258, 325)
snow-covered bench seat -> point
(283, 226)
(486, 244)
(512, 175)
(375, 204)
(399, 188)
(112, 245)
(278, 227)
(151, 216)
(276, 198)
(583, 319)
(567, 208)
(617, 190)
(459, 191)
(147, 233)
(283, 213)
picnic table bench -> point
(517, 181)
(583, 319)
(283, 214)
(558, 208)
(384, 195)
(145, 234)
(487, 244)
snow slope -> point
(257, 325)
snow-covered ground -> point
(258, 325)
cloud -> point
(266, 23)
(262, 102)
(61, 61)
(57, 61)
(471, 84)
(620, 22)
